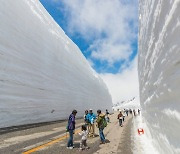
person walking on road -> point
(134, 112)
(85, 118)
(86, 122)
(127, 112)
(107, 116)
(139, 111)
(91, 119)
(71, 128)
(123, 115)
(101, 124)
(120, 117)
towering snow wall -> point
(43, 74)
(159, 71)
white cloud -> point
(112, 24)
(123, 86)
(107, 50)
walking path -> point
(52, 139)
(117, 137)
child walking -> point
(83, 134)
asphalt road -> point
(52, 139)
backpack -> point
(104, 122)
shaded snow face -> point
(43, 74)
(159, 71)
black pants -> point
(120, 122)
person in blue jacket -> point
(91, 120)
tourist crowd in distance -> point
(125, 112)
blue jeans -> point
(70, 141)
(101, 134)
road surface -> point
(52, 139)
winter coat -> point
(99, 120)
(71, 122)
(120, 116)
(91, 117)
(84, 134)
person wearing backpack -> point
(101, 124)
(107, 116)
(120, 118)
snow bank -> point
(43, 74)
(130, 104)
(159, 71)
(141, 143)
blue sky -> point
(62, 11)
(106, 33)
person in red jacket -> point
(120, 117)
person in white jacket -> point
(84, 135)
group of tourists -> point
(88, 128)
(125, 112)
(135, 113)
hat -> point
(90, 109)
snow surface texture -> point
(130, 104)
(141, 143)
(43, 74)
(159, 72)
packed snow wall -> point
(43, 74)
(159, 71)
